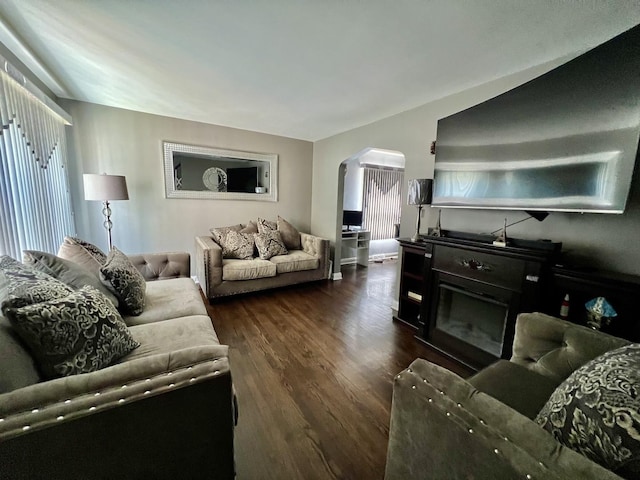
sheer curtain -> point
(382, 202)
(35, 203)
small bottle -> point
(564, 307)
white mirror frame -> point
(171, 191)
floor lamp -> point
(420, 192)
(105, 188)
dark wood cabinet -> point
(622, 291)
(416, 263)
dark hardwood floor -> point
(313, 367)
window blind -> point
(35, 202)
(382, 202)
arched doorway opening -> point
(370, 182)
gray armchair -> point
(445, 427)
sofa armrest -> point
(154, 417)
(161, 266)
(556, 348)
(54, 402)
(318, 247)
(442, 428)
(208, 264)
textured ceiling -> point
(297, 68)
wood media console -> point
(462, 294)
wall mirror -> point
(203, 172)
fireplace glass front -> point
(472, 318)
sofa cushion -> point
(18, 368)
(21, 285)
(82, 253)
(295, 261)
(516, 386)
(68, 272)
(266, 225)
(238, 245)
(125, 281)
(269, 244)
(171, 335)
(82, 332)
(247, 269)
(166, 299)
(290, 236)
(596, 411)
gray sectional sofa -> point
(446, 427)
(163, 411)
(220, 277)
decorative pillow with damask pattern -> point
(21, 285)
(80, 333)
(125, 281)
(596, 411)
(269, 244)
(219, 234)
(266, 225)
(238, 245)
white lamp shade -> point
(105, 187)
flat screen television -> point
(564, 141)
(351, 218)
(242, 179)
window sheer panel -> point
(382, 202)
(36, 211)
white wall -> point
(607, 241)
(123, 142)
(353, 186)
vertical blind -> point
(382, 202)
(35, 203)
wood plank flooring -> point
(313, 367)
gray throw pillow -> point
(266, 225)
(596, 411)
(269, 244)
(125, 281)
(251, 227)
(238, 245)
(82, 253)
(290, 235)
(80, 333)
(68, 272)
(21, 285)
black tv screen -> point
(352, 218)
(565, 141)
(242, 179)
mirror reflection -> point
(204, 172)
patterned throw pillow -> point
(21, 285)
(290, 236)
(266, 225)
(596, 411)
(70, 273)
(238, 245)
(79, 333)
(82, 253)
(125, 281)
(219, 234)
(269, 244)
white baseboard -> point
(336, 276)
(395, 306)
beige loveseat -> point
(163, 411)
(219, 277)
